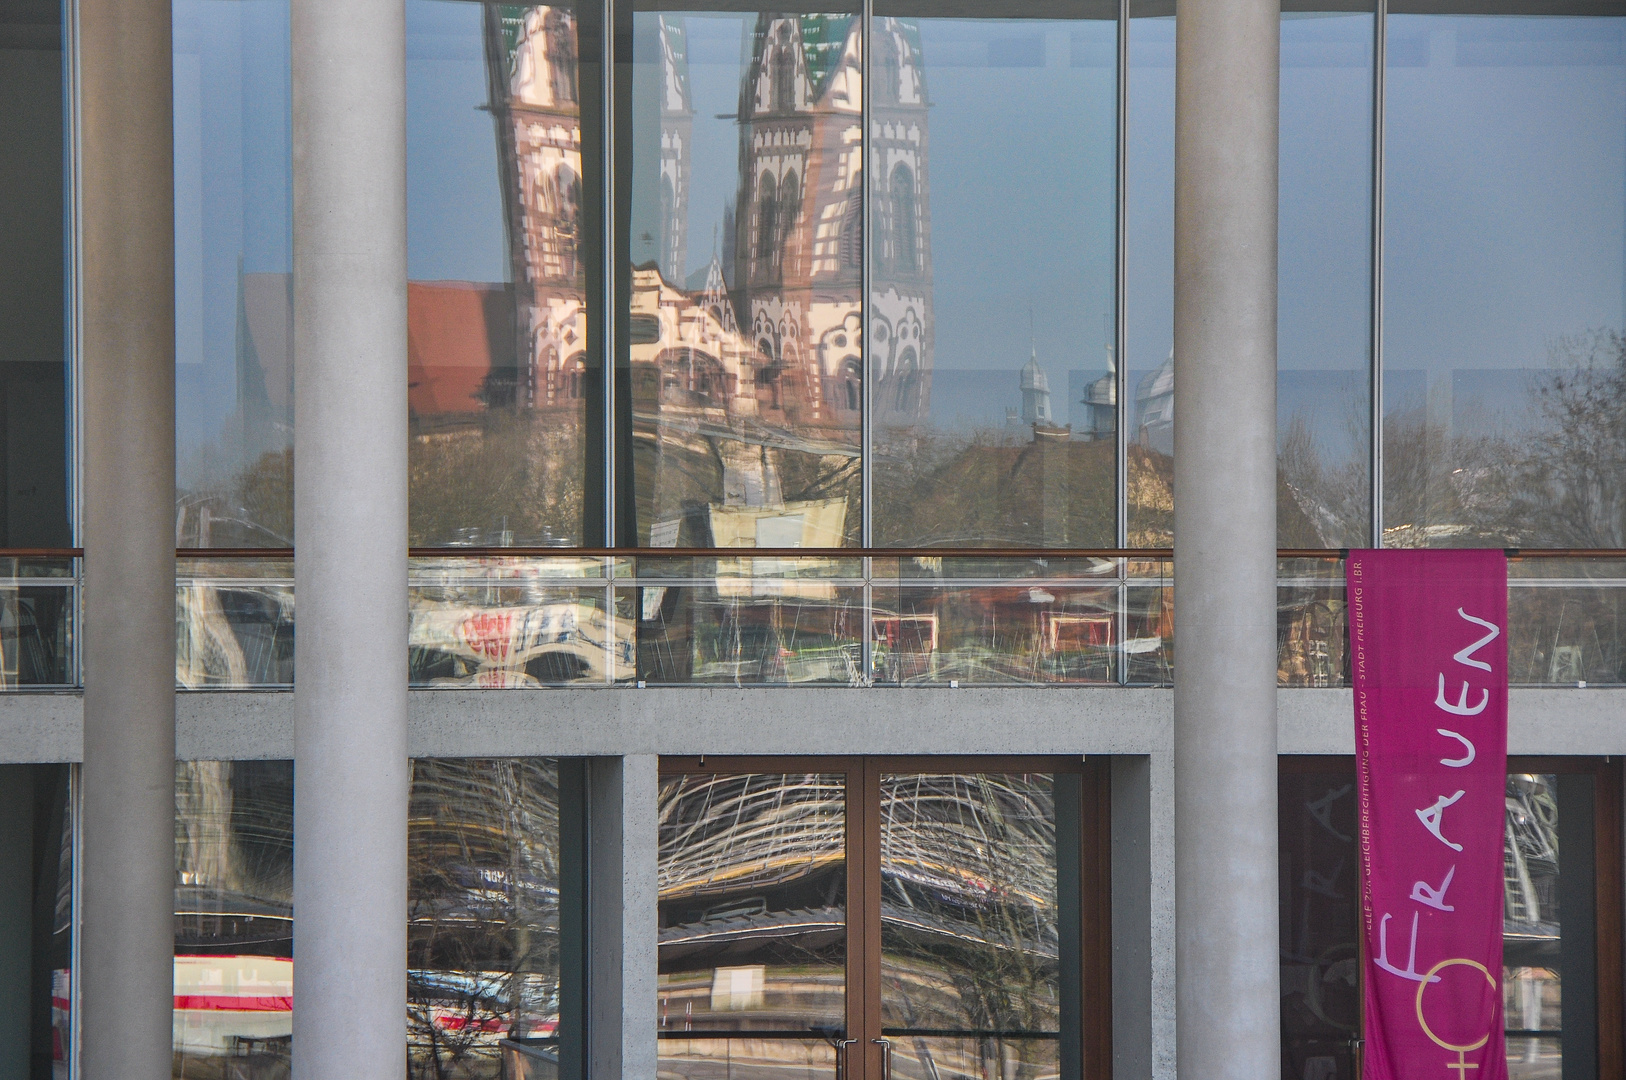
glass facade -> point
(233, 274)
(1018, 384)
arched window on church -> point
(904, 258)
(567, 224)
(790, 209)
(908, 393)
(668, 231)
(852, 225)
(767, 223)
(784, 72)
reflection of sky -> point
(233, 183)
(1325, 231)
(1506, 154)
(1149, 289)
(1021, 179)
(454, 195)
(232, 190)
(717, 55)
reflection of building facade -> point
(543, 156)
(901, 243)
(758, 368)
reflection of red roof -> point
(456, 332)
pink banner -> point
(1428, 643)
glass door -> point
(881, 918)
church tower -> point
(901, 277)
(797, 242)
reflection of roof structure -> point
(729, 834)
(1530, 868)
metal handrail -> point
(1150, 554)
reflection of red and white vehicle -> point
(225, 1002)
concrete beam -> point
(568, 723)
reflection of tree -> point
(932, 488)
(253, 508)
(1558, 479)
(1150, 497)
(483, 912)
(1570, 487)
(517, 470)
(1320, 504)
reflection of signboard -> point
(531, 645)
(1065, 632)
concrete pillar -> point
(622, 917)
(127, 420)
(351, 775)
(1227, 997)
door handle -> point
(886, 1057)
(844, 1073)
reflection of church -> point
(544, 156)
(474, 346)
(757, 361)
(794, 254)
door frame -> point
(1086, 1036)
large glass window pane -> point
(36, 921)
(484, 910)
(1323, 381)
(234, 880)
(993, 286)
(970, 925)
(498, 324)
(1504, 279)
(1149, 274)
(1320, 920)
(233, 290)
(33, 399)
(745, 245)
(487, 895)
(753, 924)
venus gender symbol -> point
(1461, 1064)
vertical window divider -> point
(866, 248)
(1120, 336)
(610, 266)
(1380, 36)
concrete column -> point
(1227, 997)
(127, 418)
(622, 917)
(350, 539)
